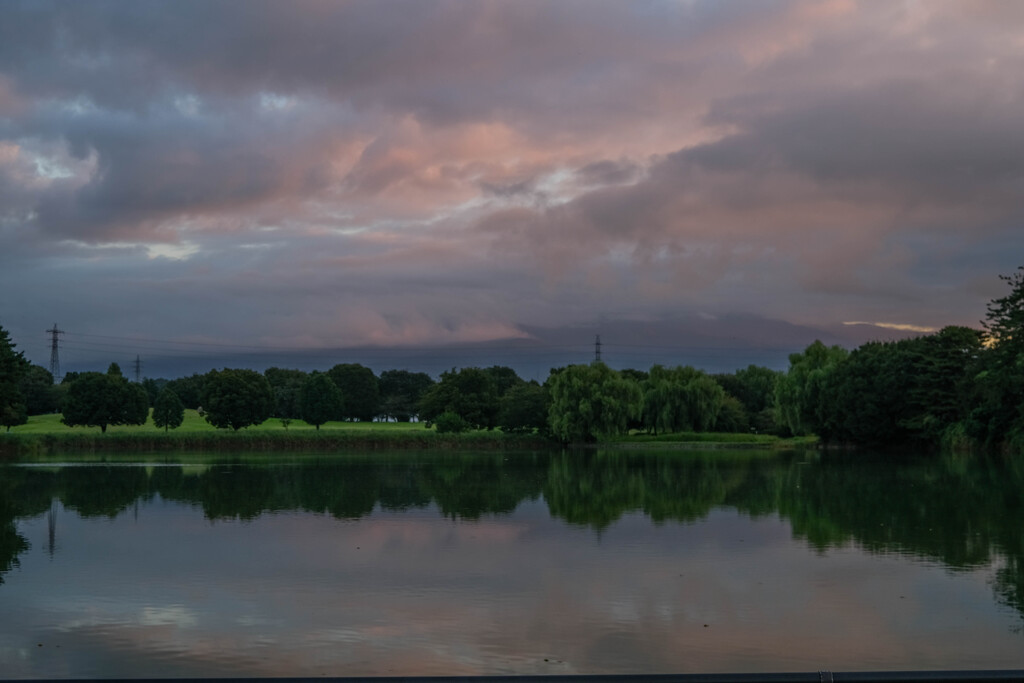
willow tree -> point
(592, 401)
(681, 399)
(799, 393)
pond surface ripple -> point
(460, 564)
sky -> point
(313, 174)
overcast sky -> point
(314, 174)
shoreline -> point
(15, 446)
(18, 445)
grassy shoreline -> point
(46, 435)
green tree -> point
(96, 399)
(236, 398)
(360, 390)
(189, 390)
(287, 386)
(680, 399)
(13, 367)
(401, 391)
(733, 416)
(39, 391)
(504, 378)
(998, 393)
(592, 401)
(524, 408)
(153, 387)
(469, 393)
(912, 390)
(450, 422)
(1004, 324)
(798, 393)
(864, 399)
(666, 405)
(754, 386)
(944, 365)
(319, 399)
(168, 411)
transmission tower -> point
(54, 356)
(138, 369)
(597, 349)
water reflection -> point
(398, 587)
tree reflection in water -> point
(963, 512)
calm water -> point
(613, 562)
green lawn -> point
(46, 433)
(51, 424)
(45, 436)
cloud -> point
(541, 162)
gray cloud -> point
(366, 169)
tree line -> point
(959, 386)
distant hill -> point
(721, 344)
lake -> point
(393, 563)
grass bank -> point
(46, 435)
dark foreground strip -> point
(1015, 675)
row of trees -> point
(575, 403)
(958, 387)
(364, 396)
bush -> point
(451, 423)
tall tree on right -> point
(998, 417)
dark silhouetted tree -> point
(13, 367)
(236, 398)
(401, 391)
(98, 400)
(524, 408)
(41, 396)
(168, 411)
(360, 391)
(319, 399)
(470, 393)
(189, 390)
(504, 378)
(287, 386)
